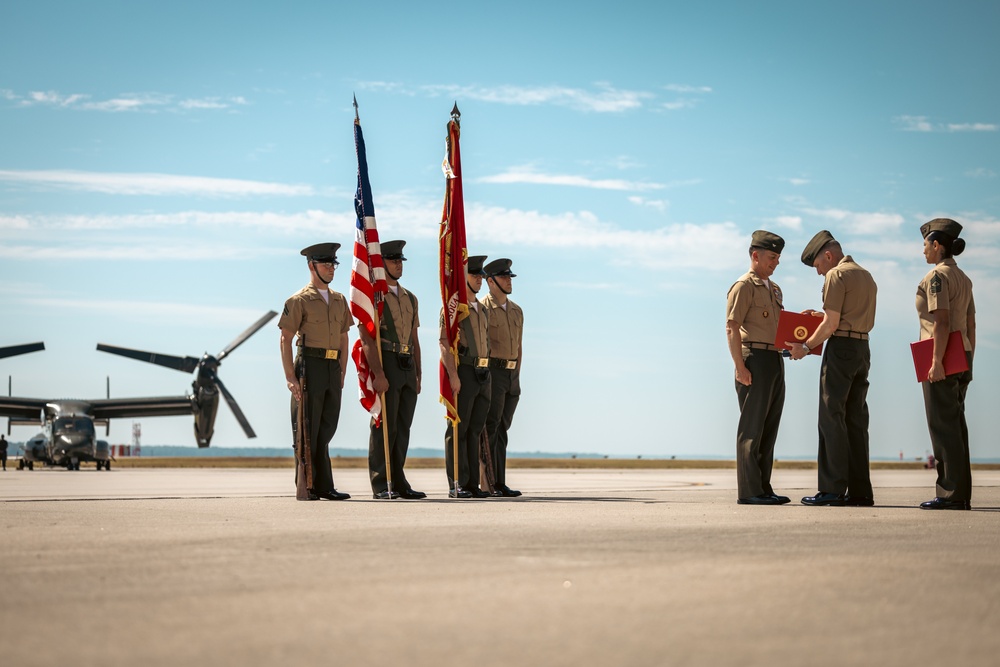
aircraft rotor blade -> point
(14, 350)
(254, 328)
(185, 364)
(240, 417)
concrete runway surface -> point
(594, 567)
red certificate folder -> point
(797, 328)
(955, 360)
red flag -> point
(453, 258)
(368, 285)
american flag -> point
(453, 258)
(368, 286)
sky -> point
(162, 164)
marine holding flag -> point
(461, 386)
(469, 376)
(399, 373)
(368, 289)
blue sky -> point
(161, 165)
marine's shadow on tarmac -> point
(547, 499)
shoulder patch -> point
(935, 285)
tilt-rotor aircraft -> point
(68, 426)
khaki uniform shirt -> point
(478, 319)
(946, 287)
(506, 326)
(321, 325)
(403, 309)
(755, 308)
(850, 290)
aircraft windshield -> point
(74, 424)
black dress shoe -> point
(509, 492)
(763, 499)
(824, 498)
(332, 495)
(859, 501)
(945, 504)
(410, 494)
(782, 500)
(476, 493)
(460, 493)
(385, 495)
(309, 496)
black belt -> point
(477, 362)
(760, 346)
(851, 334)
(508, 364)
(398, 348)
(320, 353)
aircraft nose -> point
(75, 442)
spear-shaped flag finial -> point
(356, 118)
(456, 115)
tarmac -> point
(157, 567)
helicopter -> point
(68, 425)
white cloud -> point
(679, 104)
(157, 311)
(858, 222)
(981, 172)
(677, 246)
(310, 221)
(602, 98)
(527, 174)
(121, 103)
(798, 181)
(972, 127)
(923, 124)
(657, 204)
(152, 184)
(788, 222)
(681, 88)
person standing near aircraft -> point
(506, 324)
(945, 305)
(321, 318)
(470, 380)
(752, 309)
(3, 451)
(397, 378)
(848, 316)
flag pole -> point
(456, 116)
(378, 347)
(385, 423)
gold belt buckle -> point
(511, 365)
(404, 349)
(482, 362)
(331, 354)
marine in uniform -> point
(321, 318)
(397, 379)
(752, 309)
(470, 379)
(849, 294)
(506, 324)
(945, 304)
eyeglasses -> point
(328, 265)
